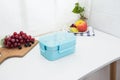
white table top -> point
(92, 53)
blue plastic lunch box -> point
(57, 45)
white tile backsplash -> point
(64, 15)
(40, 15)
(10, 16)
(105, 16)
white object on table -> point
(92, 54)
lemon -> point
(73, 29)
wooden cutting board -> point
(6, 53)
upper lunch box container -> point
(57, 45)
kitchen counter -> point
(92, 54)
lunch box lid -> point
(57, 41)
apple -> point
(78, 22)
(82, 26)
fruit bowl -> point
(80, 26)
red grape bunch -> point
(17, 39)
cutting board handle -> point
(6, 53)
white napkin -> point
(89, 32)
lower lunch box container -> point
(57, 45)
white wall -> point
(64, 16)
(27, 15)
(10, 19)
(105, 16)
(35, 16)
(40, 15)
(44, 16)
